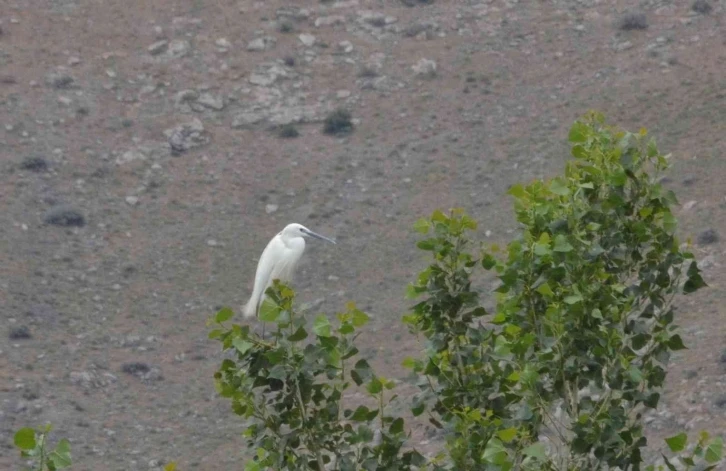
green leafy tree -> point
(556, 377)
(583, 329)
(291, 388)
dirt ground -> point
(140, 178)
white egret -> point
(278, 261)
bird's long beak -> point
(318, 236)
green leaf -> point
(396, 427)
(428, 244)
(488, 261)
(517, 191)
(223, 315)
(536, 451)
(714, 452)
(374, 386)
(579, 152)
(215, 334)
(676, 343)
(694, 283)
(559, 188)
(171, 466)
(321, 327)
(360, 318)
(25, 438)
(438, 216)
(545, 290)
(422, 226)
(573, 299)
(269, 311)
(507, 435)
(242, 345)
(61, 456)
(409, 362)
(677, 442)
(300, 334)
(578, 132)
(561, 244)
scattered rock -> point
(34, 163)
(130, 156)
(178, 48)
(413, 3)
(262, 44)
(307, 39)
(132, 200)
(183, 99)
(271, 208)
(59, 79)
(345, 47)
(702, 7)
(91, 379)
(135, 368)
(19, 333)
(223, 43)
(633, 21)
(158, 47)
(425, 68)
(338, 123)
(707, 237)
(288, 131)
(186, 136)
(142, 371)
(214, 102)
(329, 20)
(248, 119)
(65, 216)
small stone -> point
(702, 7)
(707, 237)
(135, 368)
(132, 200)
(307, 39)
(129, 156)
(179, 48)
(59, 79)
(262, 44)
(158, 47)
(21, 332)
(342, 93)
(212, 243)
(64, 100)
(624, 46)
(271, 208)
(34, 163)
(689, 205)
(425, 68)
(186, 136)
(345, 46)
(223, 43)
(64, 216)
(73, 60)
(329, 20)
(183, 98)
(214, 102)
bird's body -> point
(278, 262)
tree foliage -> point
(556, 377)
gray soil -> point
(141, 175)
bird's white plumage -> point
(278, 261)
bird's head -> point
(298, 230)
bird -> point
(278, 261)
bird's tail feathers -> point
(250, 309)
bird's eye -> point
(301, 229)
